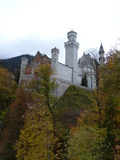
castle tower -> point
(54, 60)
(101, 55)
(24, 63)
(71, 48)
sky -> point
(27, 26)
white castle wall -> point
(89, 72)
(77, 76)
(62, 85)
(63, 78)
(64, 72)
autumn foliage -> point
(81, 125)
(97, 134)
(13, 124)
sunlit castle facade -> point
(72, 72)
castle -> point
(72, 72)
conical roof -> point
(101, 48)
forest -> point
(81, 125)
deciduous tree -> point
(42, 84)
(105, 135)
(13, 124)
(86, 138)
(36, 140)
(7, 88)
(110, 89)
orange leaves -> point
(13, 123)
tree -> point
(13, 123)
(96, 74)
(40, 121)
(7, 88)
(107, 97)
(103, 130)
(93, 52)
(110, 90)
(86, 138)
(42, 84)
(36, 140)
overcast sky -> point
(27, 26)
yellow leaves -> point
(36, 139)
(42, 84)
(6, 78)
(44, 71)
(110, 73)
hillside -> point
(74, 101)
(14, 63)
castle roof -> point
(71, 35)
(71, 32)
(38, 57)
(101, 48)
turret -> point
(71, 36)
(101, 55)
(24, 63)
(71, 49)
(54, 60)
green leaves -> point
(96, 135)
(86, 139)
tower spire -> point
(101, 55)
(101, 48)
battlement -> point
(71, 36)
(54, 50)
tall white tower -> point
(54, 60)
(71, 47)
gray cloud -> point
(30, 45)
